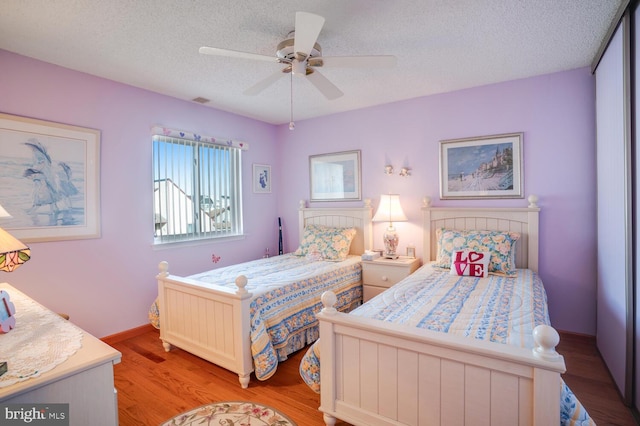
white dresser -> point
(84, 380)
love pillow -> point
(470, 263)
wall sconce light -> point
(404, 172)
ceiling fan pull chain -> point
(292, 125)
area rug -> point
(231, 413)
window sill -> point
(195, 243)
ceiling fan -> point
(302, 56)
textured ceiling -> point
(440, 45)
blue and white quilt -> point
(496, 308)
(286, 297)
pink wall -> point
(107, 284)
(555, 112)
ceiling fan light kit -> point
(302, 57)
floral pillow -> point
(500, 244)
(328, 242)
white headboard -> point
(342, 217)
(523, 220)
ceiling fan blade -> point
(263, 84)
(307, 30)
(236, 54)
(375, 61)
(327, 88)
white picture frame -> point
(335, 176)
(261, 179)
(482, 167)
(51, 184)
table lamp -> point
(389, 210)
(13, 252)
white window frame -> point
(185, 182)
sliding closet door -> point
(636, 198)
(614, 322)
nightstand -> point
(380, 274)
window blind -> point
(197, 188)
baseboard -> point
(127, 334)
(576, 336)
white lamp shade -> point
(389, 209)
(3, 212)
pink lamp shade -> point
(390, 210)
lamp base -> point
(390, 238)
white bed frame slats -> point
(525, 221)
(379, 373)
(386, 374)
(346, 217)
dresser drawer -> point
(382, 275)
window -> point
(197, 189)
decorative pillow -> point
(470, 263)
(331, 243)
(501, 245)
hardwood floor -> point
(588, 377)
(154, 385)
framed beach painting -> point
(49, 179)
(261, 178)
(482, 167)
(335, 177)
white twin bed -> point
(383, 364)
(247, 317)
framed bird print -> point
(50, 185)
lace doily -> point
(40, 341)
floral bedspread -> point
(286, 296)
(497, 308)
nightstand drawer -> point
(368, 292)
(382, 275)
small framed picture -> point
(411, 252)
(261, 179)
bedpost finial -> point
(546, 339)
(302, 204)
(164, 268)
(533, 201)
(329, 300)
(241, 283)
(367, 203)
(426, 201)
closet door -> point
(636, 197)
(614, 321)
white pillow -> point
(470, 263)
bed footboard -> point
(379, 373)
(207, 322)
